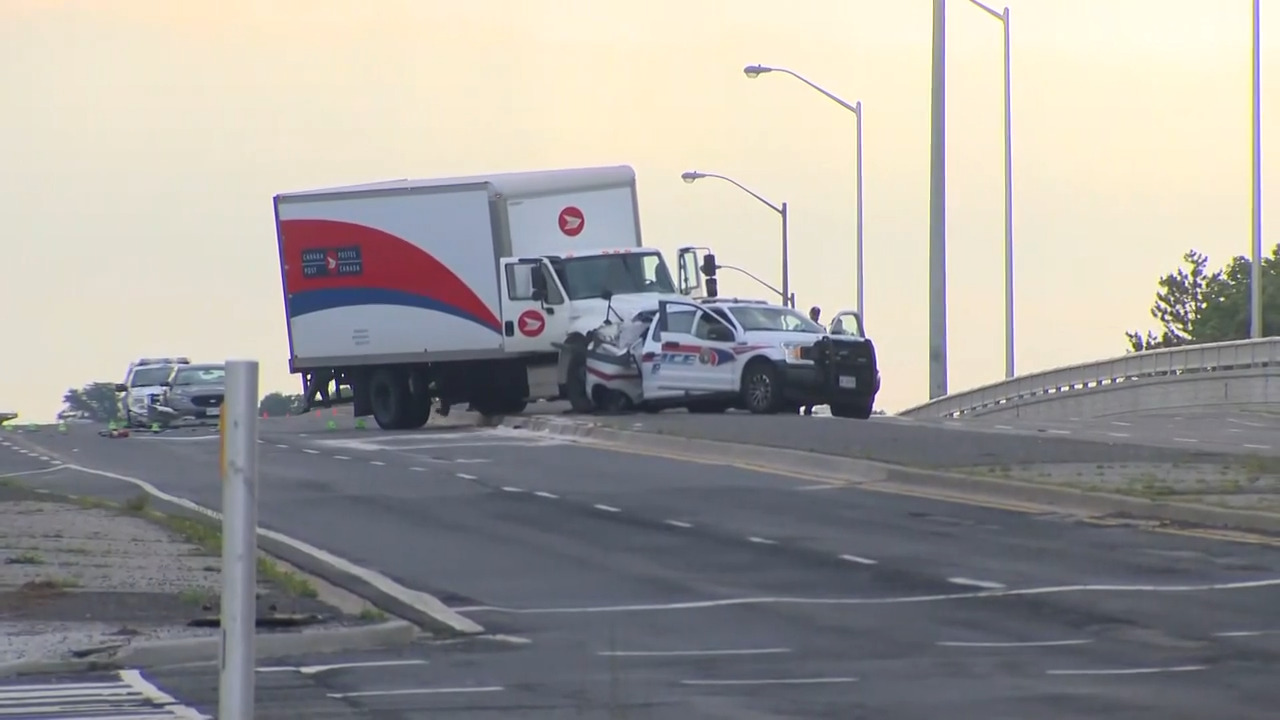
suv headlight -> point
(791, 352)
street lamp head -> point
(755, 71)
(690, 176)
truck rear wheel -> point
(390, 397)
(761, 388)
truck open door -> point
(847, 322)
(534, 313)
(689, 269)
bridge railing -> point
(1134, 367)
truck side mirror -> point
(538, 280)
(121, 387)
(538, 295)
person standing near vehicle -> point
(815, 312)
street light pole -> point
(1255, 271)
(938, 207)
(1003, 17)
(788, 299)
(754, 71)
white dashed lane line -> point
(858, 559)
(376, 462)
(465, 476)
(607, 508)
(970, 582)
(761, 541)
(1129, 671)
(678, 523)
(1045, 643)
(341, 457)
(309, 451)
(547, 495)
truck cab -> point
(552, 304)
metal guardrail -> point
(1130, 368)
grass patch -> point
(26, 558)
(372, 614)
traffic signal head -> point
(709, 265)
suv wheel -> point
(761, 388)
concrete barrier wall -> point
(1245, 372)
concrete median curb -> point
(205, 650)
(420, 608)
(873, 475)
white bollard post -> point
(238, 426)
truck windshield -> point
(589, 276)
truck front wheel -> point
(575, 386)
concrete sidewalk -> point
(85, 583)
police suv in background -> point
(142, 386)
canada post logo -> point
(325, 262)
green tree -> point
(278, 404)
(1196, 306)
(97, 400)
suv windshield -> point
(148, 376)
(623, 274)
(767, 317)
(200, 376)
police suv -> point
(142, 387)
(713, 354)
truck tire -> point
(855, 410)
(761, 388)
(419, 401)
(390, 397)
(575, 386)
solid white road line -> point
(690, 653)
(778, 681)
(315, 669)
(990, 585)
(418, 691)
(1045, 643)
(857, 559)
(1130, 671)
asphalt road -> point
(1183, 437)
(683, 590)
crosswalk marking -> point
(131, 697)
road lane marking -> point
(1115, 434)
(341, 457)
(1059, 432)
(690, 653)
(1246, 633)
(416, 691)
(316, 669)
(376, 462)
(678, 523)
(776, 681)
(976, 583)
(762, 541)
(1258, 447)
(607, 508)
(510, 489)
(1003, 427)
(1185, 440)
(1129, 671)
(1121, 424)
(549, 496)
(902, 600)
(1045, 643)
(418, 469)
(286, 447)
(465, 476)
(857, 559)
(309, 451)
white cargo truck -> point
(477, 290)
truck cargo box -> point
(406, 271)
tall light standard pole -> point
(754, 71)
(938, 207)
(1255, 272)
(1003, 17)
(787, 298)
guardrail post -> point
(238, 425)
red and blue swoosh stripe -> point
(395, 272)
